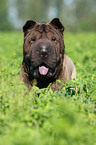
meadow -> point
(63, 117)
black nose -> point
(44, 51)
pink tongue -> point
(43, 70)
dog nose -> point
(44, 52)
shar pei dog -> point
(44, 59)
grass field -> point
(65, 117)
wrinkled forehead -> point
(44, 28)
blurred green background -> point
(76, 15)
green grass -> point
(65, 117)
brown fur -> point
(43, 35)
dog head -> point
(43, 49)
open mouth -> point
(42, 71)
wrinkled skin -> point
(43, 54)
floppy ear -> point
(28, 25)
(57, 24)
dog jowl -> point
(44, 60)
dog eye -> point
(32, 40)
(54, 39)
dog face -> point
(43, 49)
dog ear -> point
(28, 25)
(57, 24)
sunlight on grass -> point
(39, 117)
